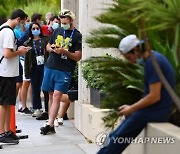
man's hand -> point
(125, 110)
(59, 50)
(23, 50)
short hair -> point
(54, 17)
(49, 14)
(66, 14)
(18, 13)
(35, 17)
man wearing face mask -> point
(64, 51)
(9, 69)
(155, 106)
(54, 23)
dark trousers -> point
(130, 128)
(36, 82)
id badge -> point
(40, 60)
(63, 56)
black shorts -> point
(7, 90)
(19, 79)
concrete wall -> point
(72, 5)
(88, 120)
(162, 131)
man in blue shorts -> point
(64, 51)
(154, 106)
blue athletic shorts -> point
(56, 80)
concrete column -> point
(72, 5)
(88, 9)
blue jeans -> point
(130, 128)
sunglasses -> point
(35, 28)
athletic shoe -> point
(7, 139)
(26, 111)
(47, 130)
(60, 121)
(65, 117)
(37, 113)
(12, 135)
(20, 110)
(43, 116)
(56, 124)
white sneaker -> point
(60, 121)
(46, 123)
(56, 124)
(37, 113)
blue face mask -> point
(140, 61)
(27, 24)
(18, 27)
(55, 26)
(42, 23)
(36, 32)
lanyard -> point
(40, 47)
(64, 37)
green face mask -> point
(65, 26)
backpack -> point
(6, 26)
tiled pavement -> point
(67, 140)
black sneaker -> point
(20, 110)
(65, 117)
(10, 134)
(47, 130)
(43, 116)
(26, 111)
(7, 139)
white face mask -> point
(65, 26)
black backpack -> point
(14, 36)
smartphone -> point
(28, 48)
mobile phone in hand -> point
(28, 48)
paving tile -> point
(67, 140)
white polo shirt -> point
(8, 67)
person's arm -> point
(23, 38)
(153, 97)
(9, 53)
(48, 48)
(76, 56)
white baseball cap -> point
(128, 43)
